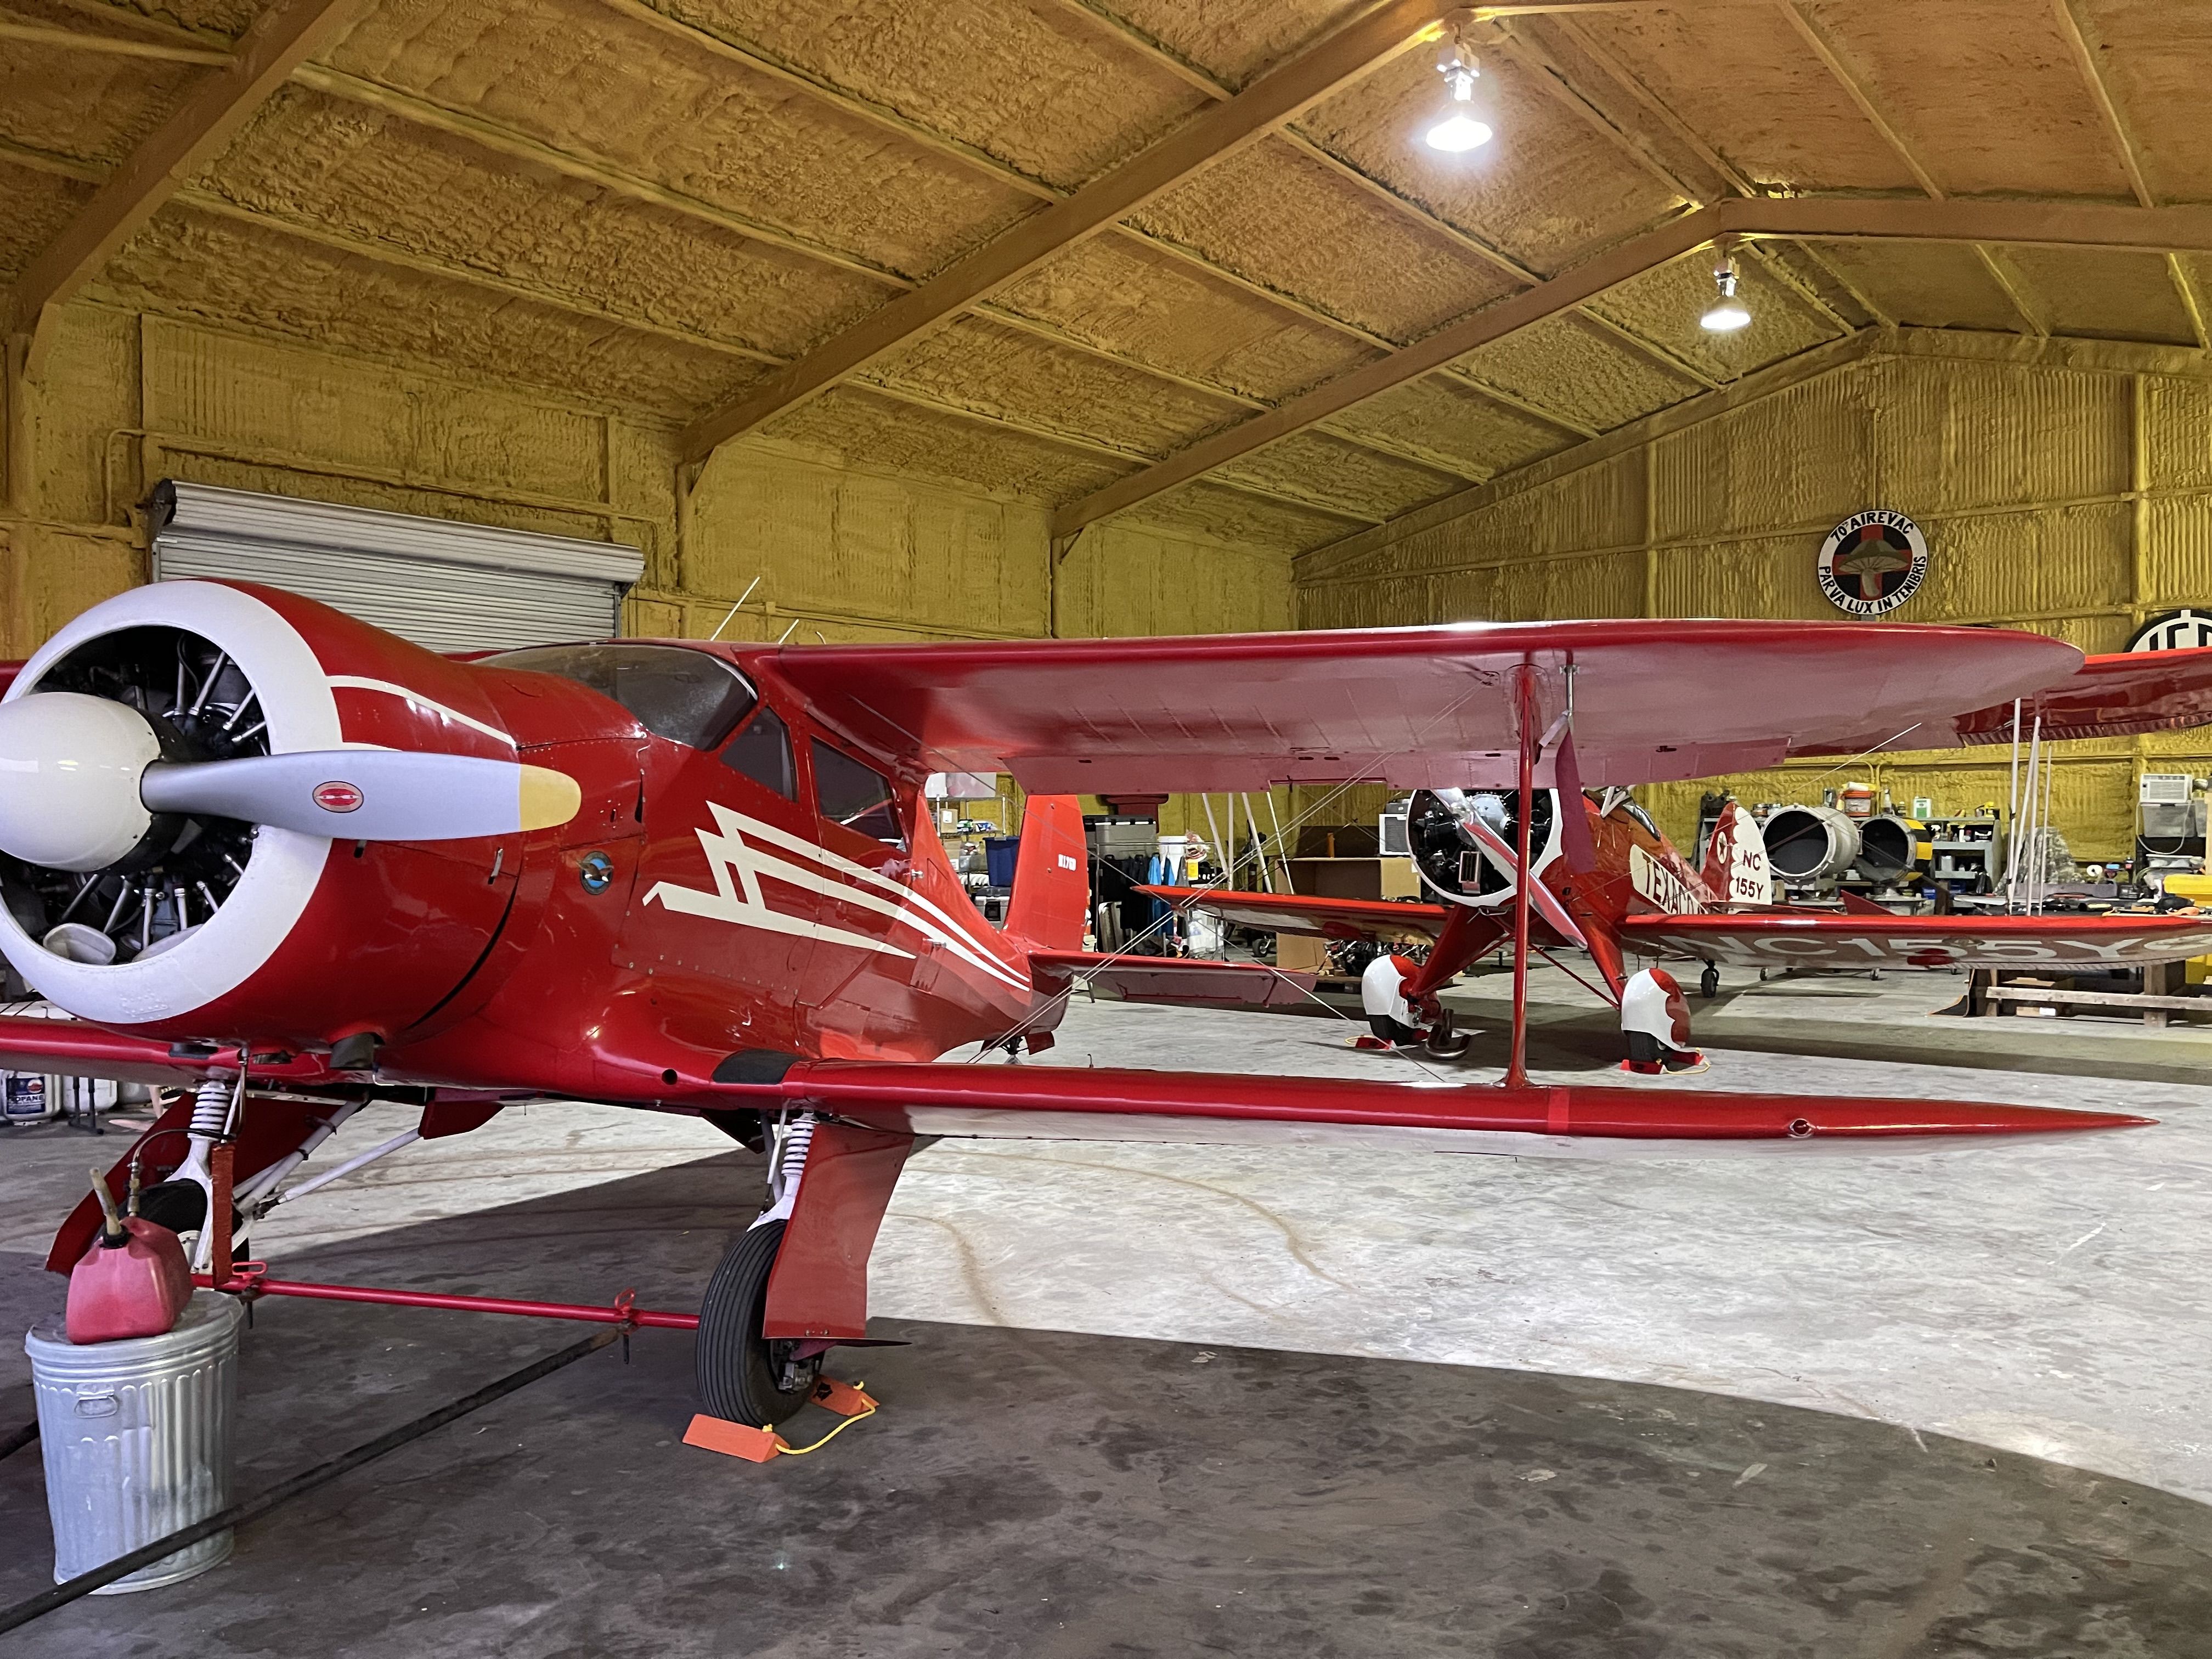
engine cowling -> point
(236, 815)
(1450, 859)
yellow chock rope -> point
(848, 1400)
(785, 1451)
(851, 1400)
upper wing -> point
(1773, 940)
(1382, 920)
(1653, 699)
(2109, 697)
(1184, 982)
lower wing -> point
(70, 1047)
(1101, 1104)
(1862, 941)
(1185, 982)
(1382, 920)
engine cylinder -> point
(1811, 843)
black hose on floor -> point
(15, 1440)
(239, 1514)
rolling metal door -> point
(446, 586)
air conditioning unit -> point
(2169, 807)
(1390, 833)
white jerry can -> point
(28, 1097)
(137, 1439)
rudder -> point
(1051, 902)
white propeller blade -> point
(369, 794)
(1507, 857)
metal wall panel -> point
(444, 586)
(2065, 486)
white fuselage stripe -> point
(737, 864)
(903, 900)
(416, 700)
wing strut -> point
(1516, 1068)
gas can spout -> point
(113, 1234)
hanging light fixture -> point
(1462, 127)
(1728, 312)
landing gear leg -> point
(743, 1377)
(1443, 1040)
(1709, 982)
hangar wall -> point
(128, 397)
(843, 553)
(2064, 485)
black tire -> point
(740, 1373)
(1709, 982)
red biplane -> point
(258, 849)
(1609, 883)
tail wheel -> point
(1709, 982)
(743, 1377)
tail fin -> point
(1735, 859)
(1052, 878)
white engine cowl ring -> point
(154, 931)
(1451, 859)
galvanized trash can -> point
(136, 1437)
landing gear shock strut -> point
(743, 1377)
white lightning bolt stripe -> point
(904, 899)
(729, 854)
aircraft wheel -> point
(741, 1375)
(1709, 982)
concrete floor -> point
(1176, 1400)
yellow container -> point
(2198, 890)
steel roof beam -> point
(2130, 154)
(276, 42)
(1224, 129)
(45, 34)
(1130, 36)
(2013, 285)
(2029, 224)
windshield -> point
(688, 696)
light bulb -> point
(1457, 132)
(1728, 314)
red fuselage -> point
(740, 876)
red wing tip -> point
(2044, 1119)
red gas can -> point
(134, 1281)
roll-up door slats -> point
(445, 587)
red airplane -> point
(1608, 882)
(258, 849)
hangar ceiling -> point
(1185, 260)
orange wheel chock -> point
(849, 1401)
(733, 1439)
(846, 1399)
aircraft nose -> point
(69, 771)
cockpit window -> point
(687, 697)
(762, 752)
(857, 796)
(1615, 801)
